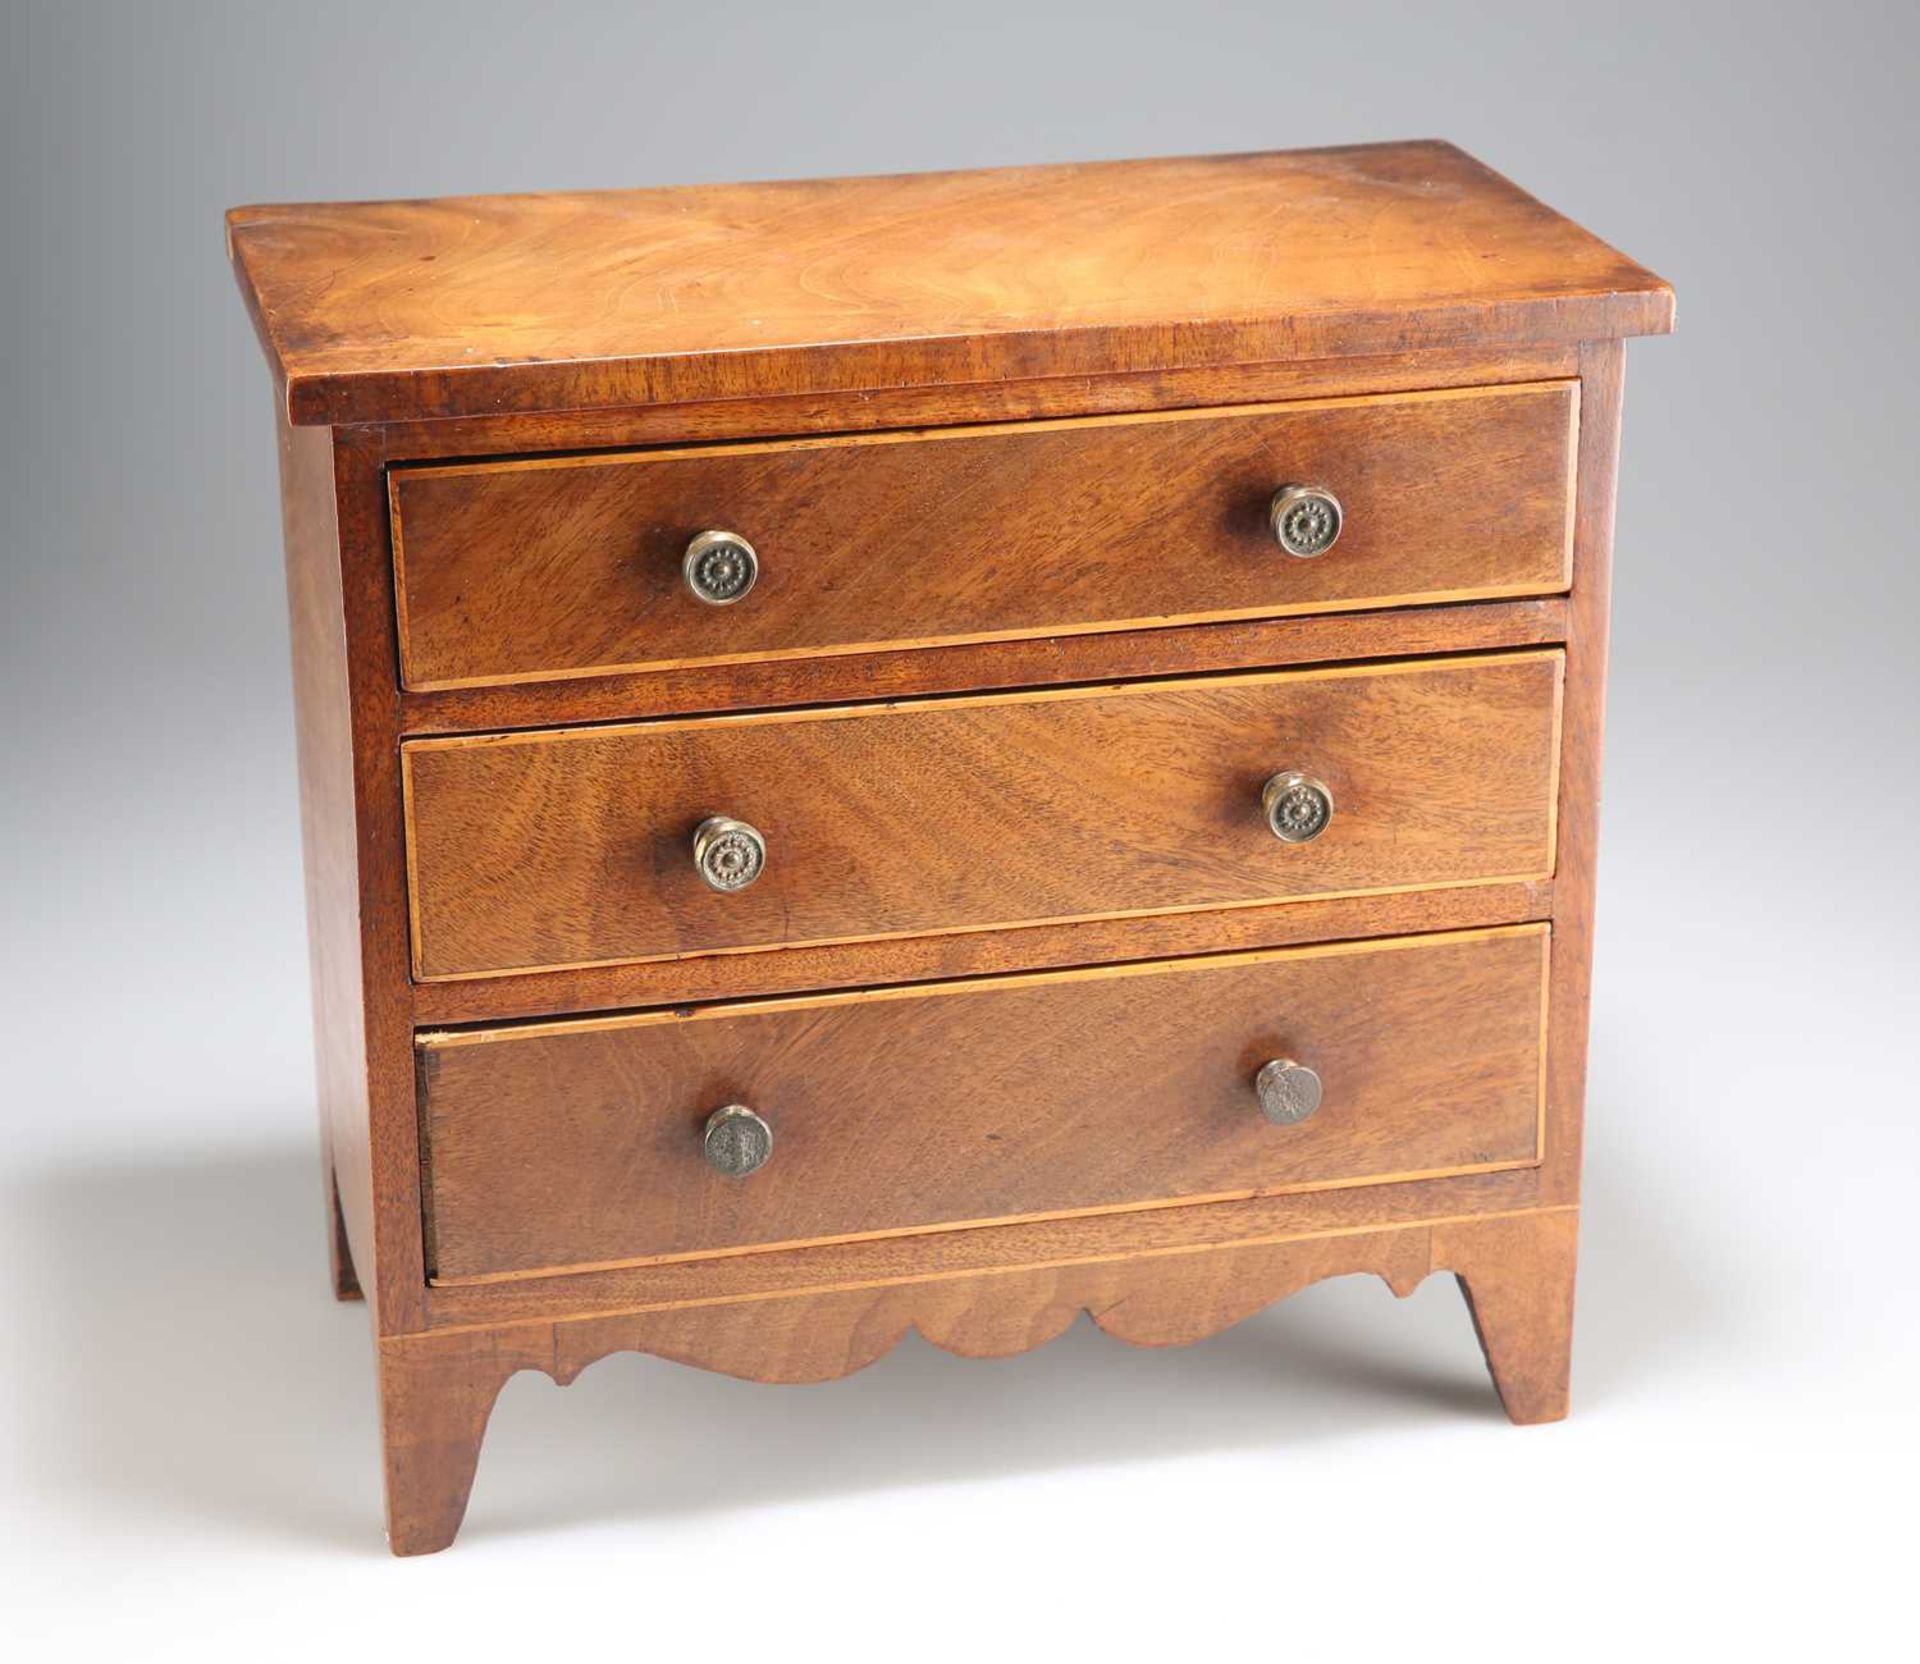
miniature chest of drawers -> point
(943, 752)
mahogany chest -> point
(943, 752)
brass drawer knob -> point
(1297, 806)
(729, 854)
(737, 1142)
(720, 567)
(1288, 1091)
(1306, 519)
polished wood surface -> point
(369, 1016)
(1110, 392)
(438, 1390)
(578, 1144)
(987, 1248)
(571, 566)
(1517, 1274)
(1184, 650)
(324, 745)
(573, 847)
(705, 977)
(1578, 815)
(486, 340)
(384, 311)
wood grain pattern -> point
(377, 1018)
(572, 847)
(1579, 810)
(570, 566)
(434, 1408)
(889, 1262)
(902, 959)
(1183, 650)
(1071, 1240)
(346, 715)
(1517, 1275)
(324, 744)
(578, 1144)
(485, 330)
(387, 311)
(1017, 399)
(438, 1390)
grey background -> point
(184, 1401)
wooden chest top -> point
(391, 311)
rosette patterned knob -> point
(1288, 1091)
(1298, 807)
(1306, 519)
(737, 1142)
(729, 854)
(720, 568)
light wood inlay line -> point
(971, 430)
(946, 1225)
(1058, 660)
(933, 1275)
(982, 638)
(698, 978)
(722, 1009)
(959, 702)
(1496, 881)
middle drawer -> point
(578, 846)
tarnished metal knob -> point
(1297, 806)
(1288, 1091)
(720, 567)
(737, 1141)
(728, 853)
(1306, 519)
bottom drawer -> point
(575, 1144)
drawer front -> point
(556, 567)
(576, 846)
(581, 1144)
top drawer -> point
(558, 567)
